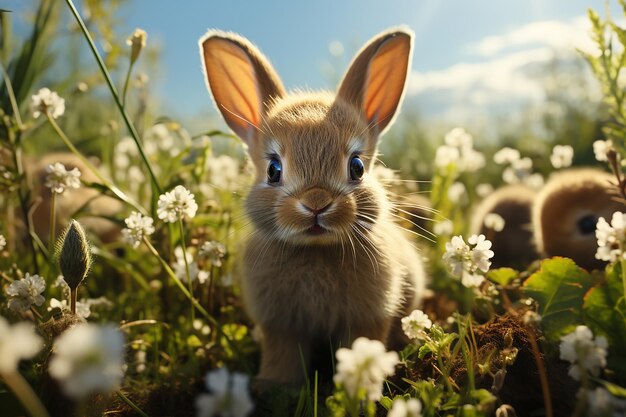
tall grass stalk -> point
(24, 392)
(53, 222)
(118, 102)
(187, 273)
(107, 183)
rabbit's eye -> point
(587, 224)
(273, 171)
(356, 168)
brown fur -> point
(567, 198)
(361, 275)
(513, 246)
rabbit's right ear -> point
(241, 80)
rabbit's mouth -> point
(315, 230)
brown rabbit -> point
(326, 263)
(566, 211)
(513, 245)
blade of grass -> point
(118, 102)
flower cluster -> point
(17, 342)
(601, 149)
(213, 251)
(180, 269)
(364, 367)
(228, 395)
(463, 261)
(459, 150)
(176, 205)
(47, 101)
(26, 292)
(518, 170)
(457, 194)
(562, 156)
(583, 352)
(415, 325)
(138, 226)
(59, 178)
(494, 222)
(409, 408)
(611, 237)
(88, 359)
(3, 242)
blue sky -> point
(466, 52)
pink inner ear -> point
(385, 81)
(233, 82)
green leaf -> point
(502, 276)
(559, 287)
(604, 316)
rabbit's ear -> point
(241, 80)
(376, 78)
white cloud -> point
(502, 72)
(552, 33)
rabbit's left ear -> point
(375, 81)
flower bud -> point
(136, 41)
(505, 410)
(74, 254)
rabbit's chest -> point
(320, 290)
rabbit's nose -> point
(316, 200)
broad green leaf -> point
(559, 287)
(502, 276)
(605, 317)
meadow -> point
(122, 233)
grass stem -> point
(116, 98)
(25, 394)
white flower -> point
(88, 358)
(138, 226)
(458, 138)
(140, 360)
(506, 155)
(195, 273)
(446, 155)
(600, 402)
(583, 352)
(409, 408)
(136, 41)
(456, 254)
(471, 160)
(364, 366)
(83, 307)
(463, 261)
(562, 156)
(472, 280)
(46, 100)
(214, 251)
(415, 324)
(531, 317)
(26, 292)
(125, 151)
(484, 189)
(518, 171)
(611, 238)
(176, 205)
(224, 171)
(443, 228)
(59, 178)
(228, 397)
(494, 221)
(481, 252)
(535, 181)
(17, 342)
(457, 192)
(601, 149)
(3, 242)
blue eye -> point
(274, 170)
(356, 168)
(587, 225)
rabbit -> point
(566, 211)
(514, 245)
(325, 263)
